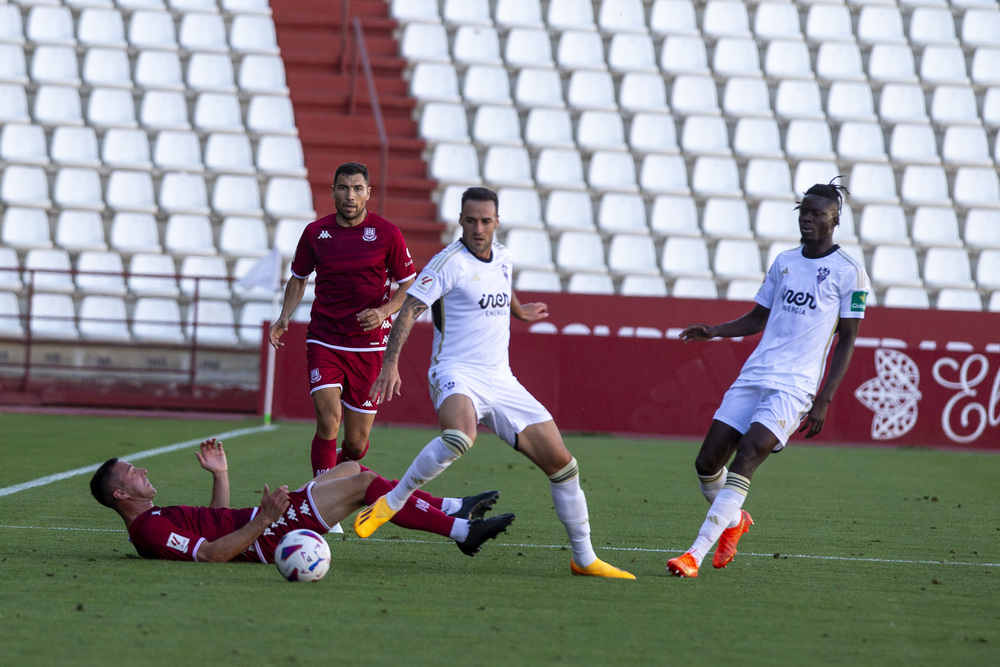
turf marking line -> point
(855, 559)
(58, 477)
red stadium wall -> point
(918, 377)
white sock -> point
(430, 462)
(712, 484)
(450, 505)
(571, 508)
(724, 513)
(460, 530)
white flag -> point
(265, 273)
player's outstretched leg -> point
(372, 518)
(481, 530)
(726, 550)
(599, 569)
(476, 507)
(683, 566)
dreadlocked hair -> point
(831, 191)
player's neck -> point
(358, 219)
(818, 248)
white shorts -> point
(779, 411)
(501, 403)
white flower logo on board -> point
(892, 395)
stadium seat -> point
(631, 52)
(591, 90)
(243, 237)
(694, 288)
(211, 322)
(13, 66)
(590, 283)
(530, 248)
(157, 320)
(202, 32)
(11, 25)
(665, 174)
(684, 54)
(435, 81)
(205, 277)
(131, 191)
(78, 187)
(746, 97)
(75, 146)
(954, 104)
(287, 233)
(635, 285)
(675, 17)
(932, 25)
(220, 112)
(768, 178)
(507, 166)
(559, 168)
(50, 25)
(982, 228)
(475, 12)
(212, 72)
(839, 61)
(640, 92)
(281, 156)
(809, 139)
(612, 170)
(521, 208)
(951, 298)
(289, 198)
(424, 42)
(126, 148)
(164, 110)
(230, 154)
(981, 27)
(252, 316)
(580, 251)
(496, 125)
(883, 224)
(798, 99)
(579, 49)
(786, 59)
(736, 259)
(652, 133)
(571, 15)
(742, 290)
(10, 270)
(53, 316)
(880, 25)
(79, 230)
(22, 143)
(724, 18)
(902, 103)
(98, 26)
(947, 267)
(692, 94)
(976, 187)
(455, 163)
(873, 184)
(57, 105)
(715, 177)
(253, 34)
(539, 87)
(726, 218)
(25, 228)
(152, 276)
(186, 6)
(423, 11)
(705, 135)
(991, 107)
(178, 151)
(850, 100)
(829, 23)
(891, 63)
(906, 297)
(55, 65)
(10, 315)
(528, 47)
(943, 64)
(567, 209)
(183, 193)
(111, 107)
(48, 270)
(476, 44)
(913, 144)
(776, 221)
(519, 13)
(236, 195)
(103, 318)
(988, 270)
(152, 30)
(260, 73)
(617, 16)
(736, 56)
(861, 142)
(189, 235)
(895, 266)
(620, 213)
(936, 227)
(100, 272)
(966, 145)
(135, 233)
(810, 172)
(674, 216)
(632, 255)
(985, 68)
(686, 257)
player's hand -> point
(813, 423)
(697, 332)
(370, 319)
(386, 384)
(273, 505)
(212, 457)
(533, 312)
(278, 327)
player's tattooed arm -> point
(388, 381)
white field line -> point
(854, 559)
(58, 477)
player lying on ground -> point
(810, 294)
(218, 534)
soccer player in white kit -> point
(467, 286)
(810, 294)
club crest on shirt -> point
(314, 376)
(369, 234)
(822, 274)
(506, 275)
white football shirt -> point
(470, 303)
(807, 298)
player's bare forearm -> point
(212, 458)
(227, 547)
(528, 312)
(412, 309)
(372, 318)
(294, 291)
(748, 324)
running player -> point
(467, 286)
(810, 294)
(356, 255)
(219, 534)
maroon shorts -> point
(353, 373)
(301, 513)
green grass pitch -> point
(870, 556)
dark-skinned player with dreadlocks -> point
(812, 295)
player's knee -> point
(706, 464)
(567, 473)
(457, 441)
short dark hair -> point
(479, 193)
(349, 169)
(831, 191)
(102, 482)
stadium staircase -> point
(319, 74)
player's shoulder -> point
(449, 257)
(315, 226)
(377, 221)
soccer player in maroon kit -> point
(356, 255)
(218, 534)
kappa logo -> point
(367, 404)
(178, 542)
(893, 394)
(369, 234)
(324, 235)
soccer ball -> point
(302, 555)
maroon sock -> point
(345, 455)
(324, 455)
(416, 514)
(419, 494)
